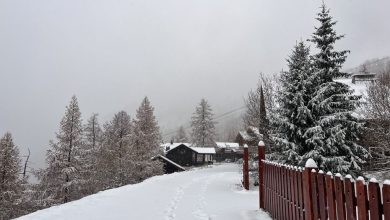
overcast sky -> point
(112, 53)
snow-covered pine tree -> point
(294, 116)
(114, 162)
(92, 142)
(332, 139)
(61, 181)
(146, 142)
(203, 125)
(181, 135)
(10, 182)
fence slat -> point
(349, 187)
(314, 193)
(322, 195)
(300, 195)
(330, 197)
(374, 200)
(361, 200)
(339, 190)
(295, 194)
(386, 200)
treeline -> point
(305, 113)
(83, 159)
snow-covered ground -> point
(208, 193)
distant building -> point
(363, 77)
(251, 136)
(184, 155)
(228, 151)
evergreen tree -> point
(146, 143)
(61, 181)
(203, 125)
(10, 182)
(181, 135)
(331, 141)
(114, 162)
(92, 142)
(295, 117)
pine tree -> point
(114, 162)
(61, 181)
(181, 135)
(10, 182)
(295, 117)
(203, 125)
(92, 143)
(146, 143)
(331, 141)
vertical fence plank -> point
(374, 200)
(349, 187)
(314, 193)
(339, 193)
(322, 195)
(294, 185)
(330, 196)
(300, 194)
(307, 190)
(245, 169)
(386, 199)
(261, 155)
(361, 194)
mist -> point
(111, 54)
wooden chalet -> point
(228, 151)
(184, 155)
(363, 77)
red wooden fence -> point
(297, 193)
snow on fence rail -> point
(297, 193)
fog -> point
(111, 54)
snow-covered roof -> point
(168, 146)
(245, 135)
(227, 145)
(170, 161)
(360, 88)
(200, 150)
(204, 150)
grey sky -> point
(113, 53)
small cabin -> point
(169, 165)
(366, 77)
(184, 155)
(228, 151)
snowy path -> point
(204, 194)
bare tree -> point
(377, 109)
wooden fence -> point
(297, 193)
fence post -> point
(307, 189)
(261, 155)
(246, 168)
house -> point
(169, 165)
(184, 155)
(363, 77)
(251, 136)
(228, 151)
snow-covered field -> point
(208, 193)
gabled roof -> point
(172, 146)
(204, 150)
(227, 145)
(199, 150)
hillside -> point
(209, 193)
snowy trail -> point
(203, 194)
